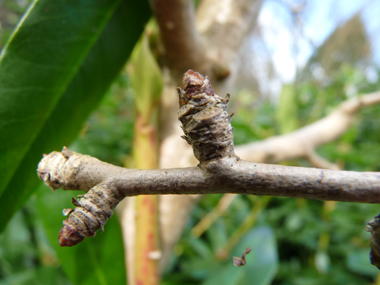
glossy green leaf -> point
(98, 260)
(78, 97)
(37, 65)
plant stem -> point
(146, 207)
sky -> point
(291, 47)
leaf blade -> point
(86, 89)
(37, 65)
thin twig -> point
(228, 175)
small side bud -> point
(91, 213)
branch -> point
(74, 171)
(207, 128)
(227, 175)
(304, 141)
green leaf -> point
(77, 93)
(36, 67)
(98, 260)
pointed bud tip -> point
(69, 236)
(192, 78)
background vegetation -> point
(294, 241)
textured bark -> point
(204, 119)
(227, 175)
(175, 152)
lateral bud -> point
(204, 119)
(91, 213)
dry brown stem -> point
(228, 175)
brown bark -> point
(227, 175)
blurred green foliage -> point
(25, 254)
(293, 241)
(308, 242)
(108, 132)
